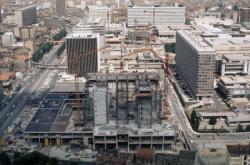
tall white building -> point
(100, 12)
(8, 39)
(157, 16)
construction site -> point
(122, 106)
(111, 93)
(117, 111)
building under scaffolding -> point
(122, 112)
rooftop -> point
(238, 118)
(4, 76)
(233, 79)
(238, 149)
(195, 39)
(157, 129)
(23, 57)
(237, 57)
(28, 7)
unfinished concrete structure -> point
(122, 111)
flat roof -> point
(233, 79)
(23, 57)
(53, 114)
(239, 149)
(195, 40)
(81, 34)
(216, 114)
(28, 7)
(67, 87)
(161, 7)
(228, 40)
(237, 57)
(164, 129)
(239, 118)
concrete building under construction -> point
(121, 111)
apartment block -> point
(195, 62)
(157, 16)
(8, 39)
(26, 16)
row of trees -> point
(62, 33)
(170, 48)
(33, 158)
(60, 50)
(195, 121)
(43, 48)
(241, 129)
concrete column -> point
(222, 69)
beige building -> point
(22, 62)
(30, 44)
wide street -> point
(32, 84)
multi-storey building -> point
(234, 87)
(91, 25)
(26, 16)
(60, 8)
(157, 16)
(83, 44)
(8, 39)
(195, 62)
(100, 12)
(233, 64)
(82, 53)
(245, 16)
(238, 154)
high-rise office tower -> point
(157, 16)
(82, 53)
(60, 8)
(26, 16)
(245, 17)
(195, 61)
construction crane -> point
(78, 119)
(166, 69)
